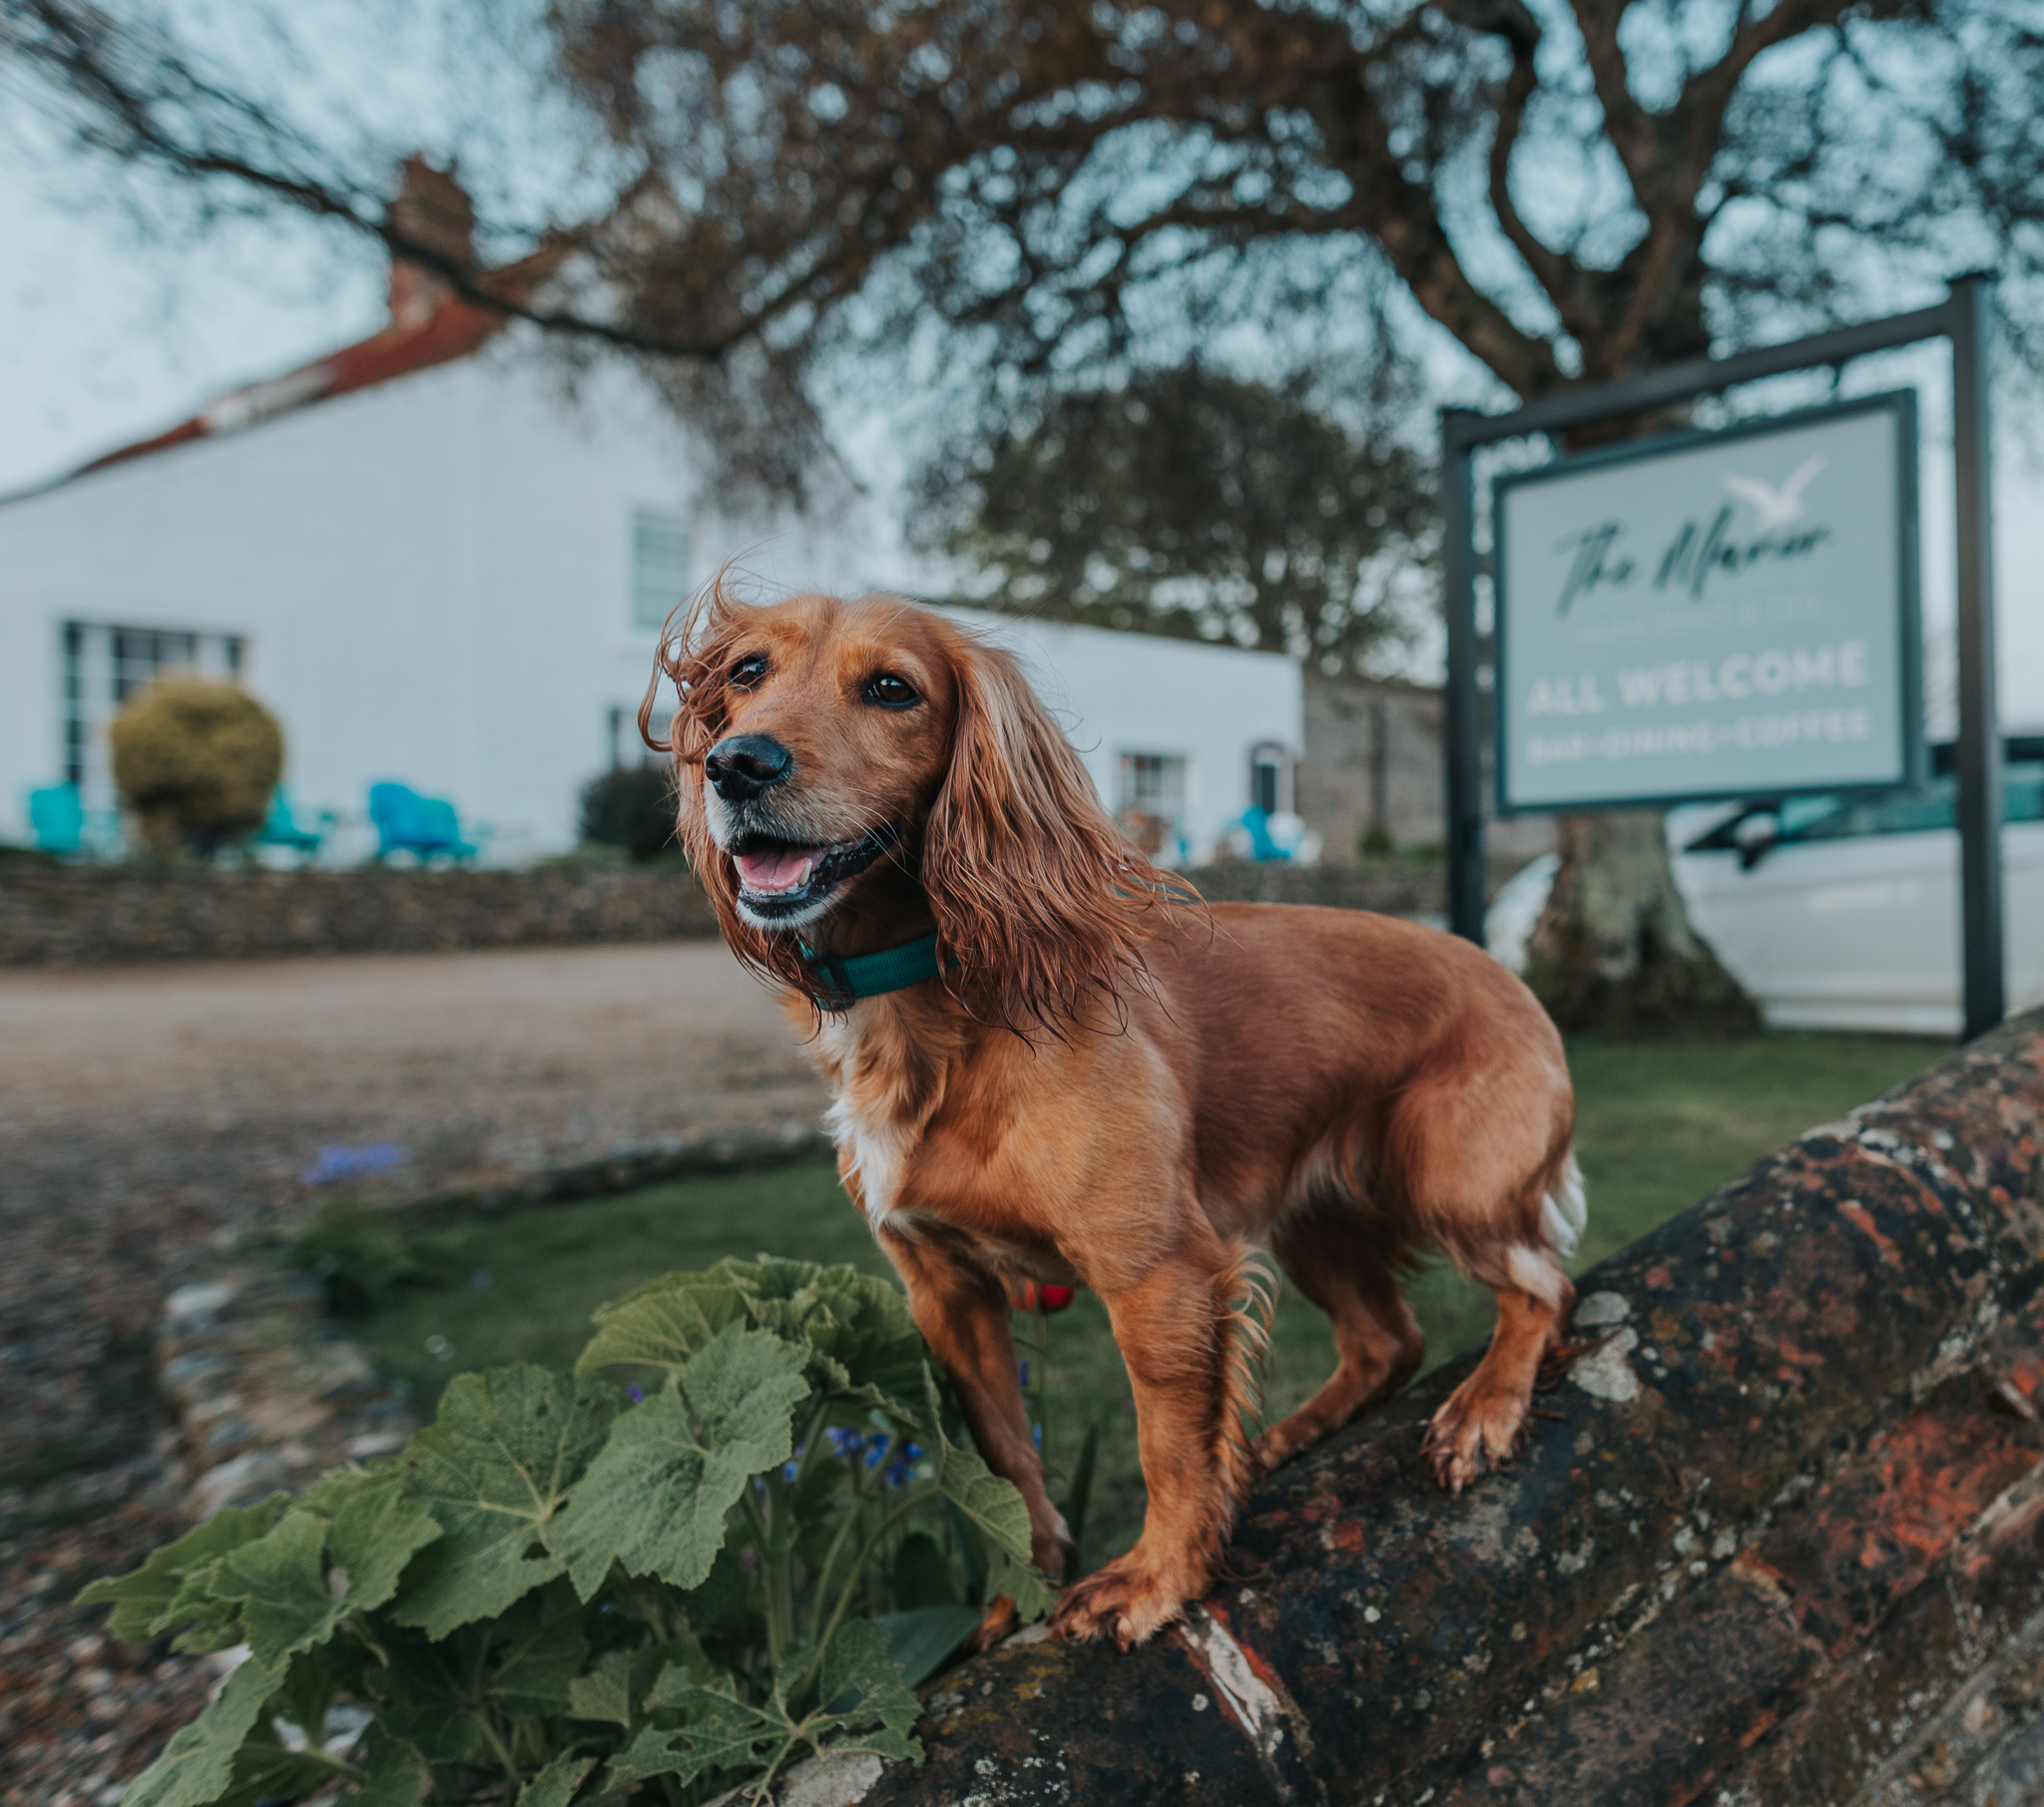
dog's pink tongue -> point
(781, 870)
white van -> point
(1842, 913)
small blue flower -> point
(1036, 1435)
(898, 1473)
(914, 1452)
(638, 1395)
(1023, 1370)
(788, 1470)
(877, 1451)
(336, 1161)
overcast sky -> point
(106, 338)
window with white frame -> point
(661, 553)
(1153, 785)
(1152, 799)
(626, 748)
(103, 665)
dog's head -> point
(841, 764)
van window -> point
(1831, 818)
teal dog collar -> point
(873, 975)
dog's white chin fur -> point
(797, 919)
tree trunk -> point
(1614, 950)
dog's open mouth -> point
(778, 879)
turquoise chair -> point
(1262, 847)
(409, 823)
(280, 828)
(56, 816)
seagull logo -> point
(1777, 507)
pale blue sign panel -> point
(1713, 615)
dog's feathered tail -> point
(1564, 1213)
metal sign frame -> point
(1900, 406)
(1964, 320)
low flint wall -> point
(98, 915)
(1780, 1541)
(92, 915)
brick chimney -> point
(434, 209)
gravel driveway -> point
(144, 1110)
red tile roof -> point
(451, 328)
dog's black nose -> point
(746, 764)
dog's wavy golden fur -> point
(1113, 1084)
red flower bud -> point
(1028, 1295)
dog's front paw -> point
(1125, 1601)
(1000, 1620)
(1480, 1426)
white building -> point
(436, 567)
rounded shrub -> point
(630, 807)
(196, 761)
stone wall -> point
(1373, 755)
(92, 915)
(1396, 889)
(95, 915)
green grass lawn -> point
(1658, 1127)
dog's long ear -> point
(1037, 896)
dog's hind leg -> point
(1480, 1425)
(1340, 1263)
(1480, 1145)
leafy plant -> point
(363, 1260)
(569, 1590)
(196, 761)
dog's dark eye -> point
(749, 671)
(891, 693)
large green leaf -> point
(426, 1690)
(150, 1599)
(608, 1692)
(281, 1583)
(198, 1765)
(390, 1772)
(615, 1691)
(994, 1508)
(862, 1682)
(664, 1324)
(1035, 1594)
(377, 1526)
(496, 1467)
(865, 1346)
(656, 1498)
(539, 1648)
(860, 1343)
(860, 1685)
(985, 1501)
(267, 1772)
(555, 1785)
